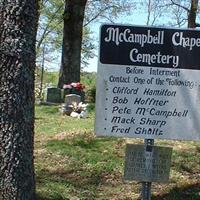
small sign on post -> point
(147, 166)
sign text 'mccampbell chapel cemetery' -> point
(148, 83)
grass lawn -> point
(71, 163)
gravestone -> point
(53, 95)
(72, 98)
(68, 91)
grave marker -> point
(53, 95)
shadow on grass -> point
(191, 192)
(82, 141)
(89, 169)
(47, 109)
(39, 118)
(91, 164)
(71, 181)
(39, 197)
(87, 187)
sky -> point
(135, 19)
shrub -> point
(91, 94)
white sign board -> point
(148, 83)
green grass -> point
(71, 163)
(50, 122)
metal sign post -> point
(146, 186)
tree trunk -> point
(18, 25)
(192, 14)
(72, 39)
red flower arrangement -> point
(78, 86)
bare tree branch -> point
(98, 15)
(149, 12)
(197, 25)
(179, 5)
(46, 31)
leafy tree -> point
(50, 29)
(50, 33)
(72, 35)
(18, 24)
(50, 26)
(72, 40)
(106, 10)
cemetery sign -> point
(148, 83)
